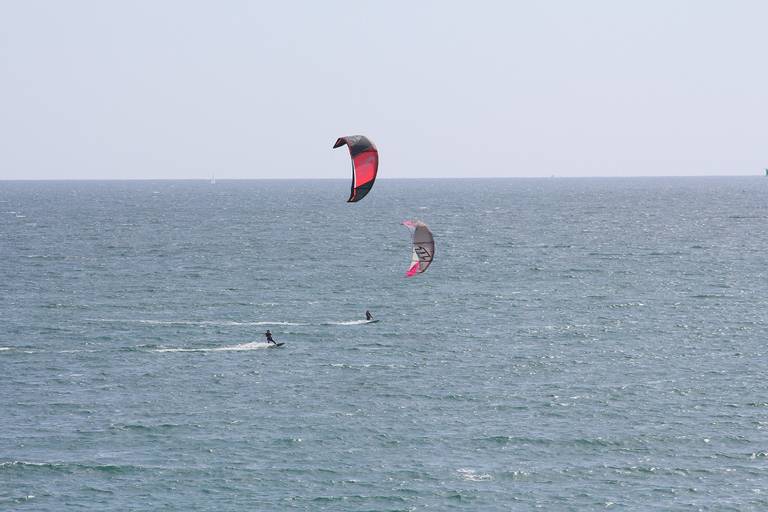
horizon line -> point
(554, 176)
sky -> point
(259, 89)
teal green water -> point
(578, 344)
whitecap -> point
(472, 476)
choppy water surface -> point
(578, 344)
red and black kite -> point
(365, 164)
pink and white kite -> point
(423, 247)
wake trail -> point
(254, 345)
(348, 322)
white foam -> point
(5, 348)
(24, 463)
(472, 476)
(254, 345)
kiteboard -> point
(371, 321)
(275, 345)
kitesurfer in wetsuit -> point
(368, 315)
(269, 337)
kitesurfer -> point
(368, 315)
(269, 337)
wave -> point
(24, 350)
(626, 305)
(472, 476)
(193, 322)
(69, 467)
(150, 428)
(254, 345)
(502, 439)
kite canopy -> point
(423, 247)
(365, 164)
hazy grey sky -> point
(257, 89)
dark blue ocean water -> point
(578, 344)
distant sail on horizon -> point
(365, 164)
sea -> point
(576, 344)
